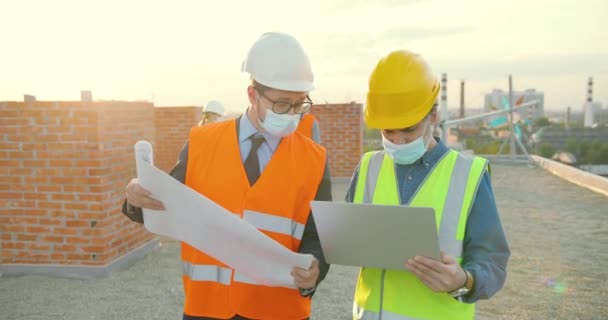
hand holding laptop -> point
(444, 275)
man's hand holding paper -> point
(196, 220)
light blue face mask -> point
(407, 153)
(279, 125)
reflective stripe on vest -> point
(448, 226)
(212, 273)
(274, 223)
(362, 314)
(202, 272)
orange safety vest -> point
(281, 199)
(306, 124)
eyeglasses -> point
(282, 107)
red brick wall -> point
(63, 168)
(342, 134)
(121, 125)
(173, 126)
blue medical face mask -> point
(278, 125)
(407, 153)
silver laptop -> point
(373, 235)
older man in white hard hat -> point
(256, 163)
(212, 112)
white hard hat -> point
(278, 61)
(215, 107)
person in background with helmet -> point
(417, 169)
(212, 112)
(309, 126)
(230, 163)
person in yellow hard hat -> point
(417, 169)
(263, 172)
(212, 112)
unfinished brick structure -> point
(64, 165)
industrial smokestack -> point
(444, 95)
(589, 113)
(461, 99)
(444, 105)
(590, 90)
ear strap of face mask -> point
(258, 107)
(428, 126)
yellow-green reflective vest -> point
(449, 188)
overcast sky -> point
(188, 52)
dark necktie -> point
(252, 163)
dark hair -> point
(258, 86)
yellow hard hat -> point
(402, 91)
